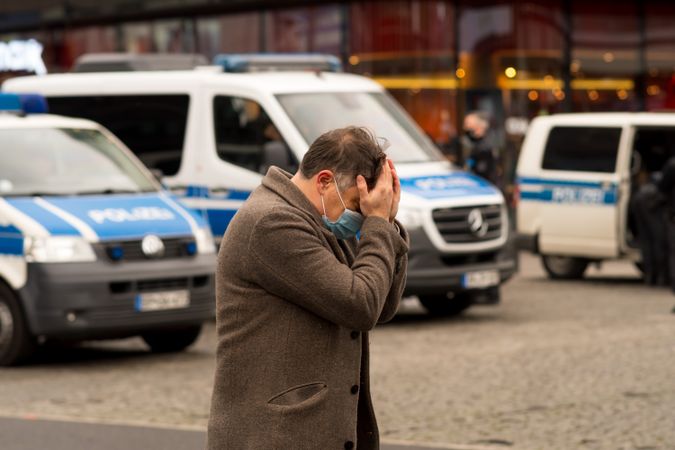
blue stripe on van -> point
(569, 192)
(53, 223)
(11, 240)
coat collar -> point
(279, 182)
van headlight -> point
(204, 239)
(54, 249)
(410, 218)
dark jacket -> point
(294, 305)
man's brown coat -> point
(294, 305)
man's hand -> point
(378, 202)
(396, 186)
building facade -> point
(514, 59)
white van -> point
(91, 247)
(213, 134)
(576, 174)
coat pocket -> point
(301, 395)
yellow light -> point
(575, 66)
(622, 94)
(608, 57)
(460, 73)
(510, 72)
(354, 60)
(417, 82)
(533, 95)
(653, 89)
(559, 94)
(593, 95)
(548, 78)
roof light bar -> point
(260, 62)
(23, 103)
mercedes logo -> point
(152, 246)
(477, 223)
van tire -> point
(564, 267)
(172, 340)
(444, 305)
(16, 341)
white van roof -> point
(102, 83)
(44, 121)
(610, 119)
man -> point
(667, 187)
(307, 267)
(475, 150)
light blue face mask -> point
(348, 224)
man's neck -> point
(306, 186)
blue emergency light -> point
(23, 103)
(260, 62)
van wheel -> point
(444, 305)
(172, 340)
(564, 267)
(16, 342)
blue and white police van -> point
(214, 131)
(90, 245)
(576, 176)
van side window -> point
(582, 149)
(152, 126)
(246, 136)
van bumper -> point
(527, 242)
(97, 300)
(431, 272)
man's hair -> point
(347, 152)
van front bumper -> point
(99, 300)
(431, 272)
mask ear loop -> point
(323, 206)
(339, 196)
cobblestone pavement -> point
(558, 365)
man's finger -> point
(385, 175)
(362, 186)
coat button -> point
(354, 334)
(349, 445)
(355, 389)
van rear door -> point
(579, 189)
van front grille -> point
(469, 224)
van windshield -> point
(315, 113)
(65, 161)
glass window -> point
(152, 126)
(605, 55)
(660, 55)
(65, 161)
(314, 114)
(310, 29)
(245, 136)
(582, 149)
(236, 33)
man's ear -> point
(324, 180)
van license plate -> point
(157, 301)
(482, 279)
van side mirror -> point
(275, 153)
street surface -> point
(558, 365)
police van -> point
(576, 176)
(214, 131)
(90, 245)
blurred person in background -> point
(667, 187)
(476, 149)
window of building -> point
(245, 136)
(235, 33)
(152, 126)
(582, 149)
